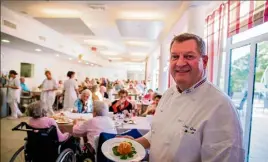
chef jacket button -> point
(161, 110)
(153, 131)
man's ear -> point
(205, 61)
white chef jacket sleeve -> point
(75, 85)
(17, 83)
(222, 136)
(55, 85)
(148, 136)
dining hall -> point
(134, 81)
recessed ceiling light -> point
(92, 64)
(57, 55)
(79, 61)
(5, 40)
(115, 58)
(138, 43)
(87, 63)
(65, 12)
(38, 50)
(141, 15)
(137, 54)
(70, 58)
(109, 53)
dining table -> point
(142, 124)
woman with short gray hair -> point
(100, 122)
(40, 120)
(84, 103)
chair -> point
(42, 145)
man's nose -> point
(181, 61)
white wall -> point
(11, 59)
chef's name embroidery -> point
(189, 130)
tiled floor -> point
(10, 141)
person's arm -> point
(81, 129)
(144, 141)
(222, 136)
(55, 86)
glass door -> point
(238, 83)
(258, 151)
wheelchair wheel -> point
(19, 155)
(66, 155)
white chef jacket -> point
(50, 95)
(14, 94)
(70, 95)
(199, 124)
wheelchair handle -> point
(19, 127)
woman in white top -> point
(13, 94)
(49, 87)
(70, 91)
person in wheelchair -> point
(40, 120)
(100, 122)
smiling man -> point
(194, 121)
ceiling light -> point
(138, 43)
(141, 15)
(57, 55)
(79, 61)
(38, 50)
(137, 54)
(109, 53)
(5, 40)
(87, 63)
(115, 58)
(70, 58)
(63, 12)
(92, 64)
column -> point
(163, 68)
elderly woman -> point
(103, 92)
(132, 89)
(100, 122)
(84, 103)
(122, 104)
(151, 109)
(96, 94)
(149, 96)
(40, 120)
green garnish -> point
(124, 157)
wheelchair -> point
(42, 145)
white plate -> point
(65, 122)
(107, 146)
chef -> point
(49, 87)
(13, 98)
(194, 121)
(70, 91)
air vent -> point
(42, 38)
(9, 24)
(97, 7)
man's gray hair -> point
(100, 108)
(201, 45)
(35, 110)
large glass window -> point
(259, 132)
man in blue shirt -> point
(24, 87)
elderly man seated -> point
(100, 122)
(24, 87)
(84, 103)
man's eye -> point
(174, 57)
(189, 57)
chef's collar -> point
(194, 87)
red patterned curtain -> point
(243, 15)
(215, 35)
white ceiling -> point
(20, 44)
(120, 30)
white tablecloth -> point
(141, 123)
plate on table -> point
(123, 150)
(66, 121)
